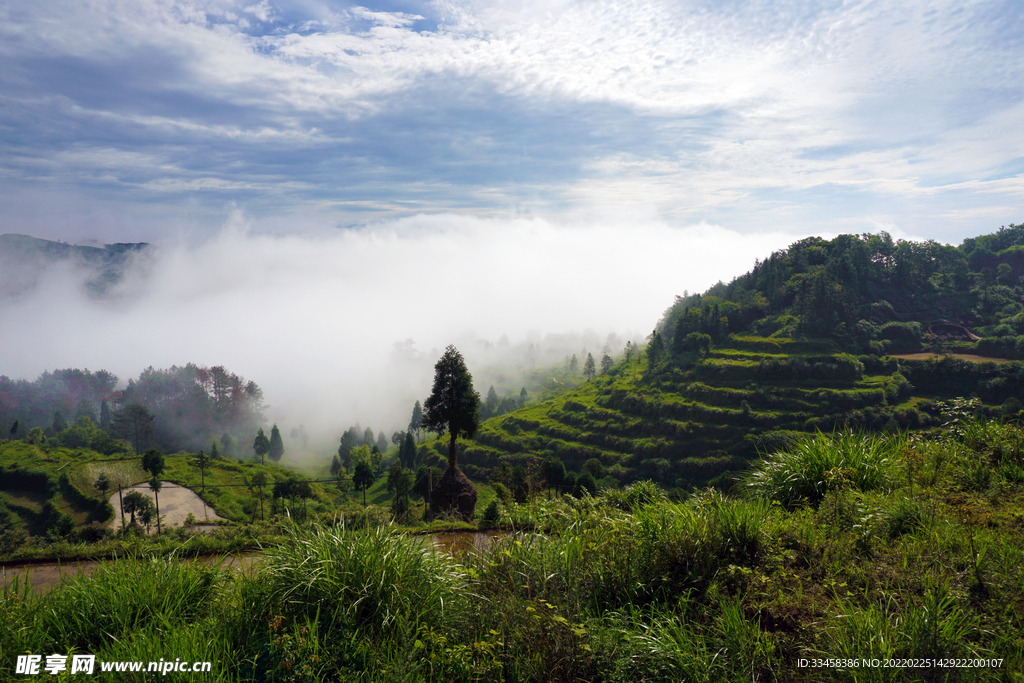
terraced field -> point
(687, 425)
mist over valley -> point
(700, 323)
(344, 327)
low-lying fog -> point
(345, 327)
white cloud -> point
(313, 320)
(261, 10)
(391, 19)
(705, 111)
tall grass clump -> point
(669, 649)
(667, 645)
(123, 599)
(635, 495)
(610, 559)
(904, 516)
(350, 604)
(807, 471)
(984, 452)
(935, 628)
(130, 609)
(742, 527)
(372, 579)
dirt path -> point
(176, 502)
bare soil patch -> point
(176, 502)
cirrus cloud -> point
(787, 115)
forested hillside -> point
(820, 336)
(869, 294)
(23, 259)
(186, 408)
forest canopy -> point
(191, 405)
(867, 293)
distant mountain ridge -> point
(23, 259)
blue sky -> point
(129, 119)
(325, 179)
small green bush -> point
(976, 477)
(491, 513)
(635, 496)
(502, 493)
(1012, 472)
(905, 516)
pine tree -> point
(133, 502)
(134, 422)
(261, 445)
(416, 423)
(202, 462)
(228, 444)
(655, 353)
(491, 404)
(276, 448)
(85, 408)
(153, 462)
(407, 452)
(453, 406)
(363, 478)
(400, 484)
(349, 440)
(589, 370)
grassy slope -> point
(225, 491)
(923, 562)
(685, 428)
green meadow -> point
(847, 546)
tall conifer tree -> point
(453, 406)
(276, 449)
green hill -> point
(808, 340)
